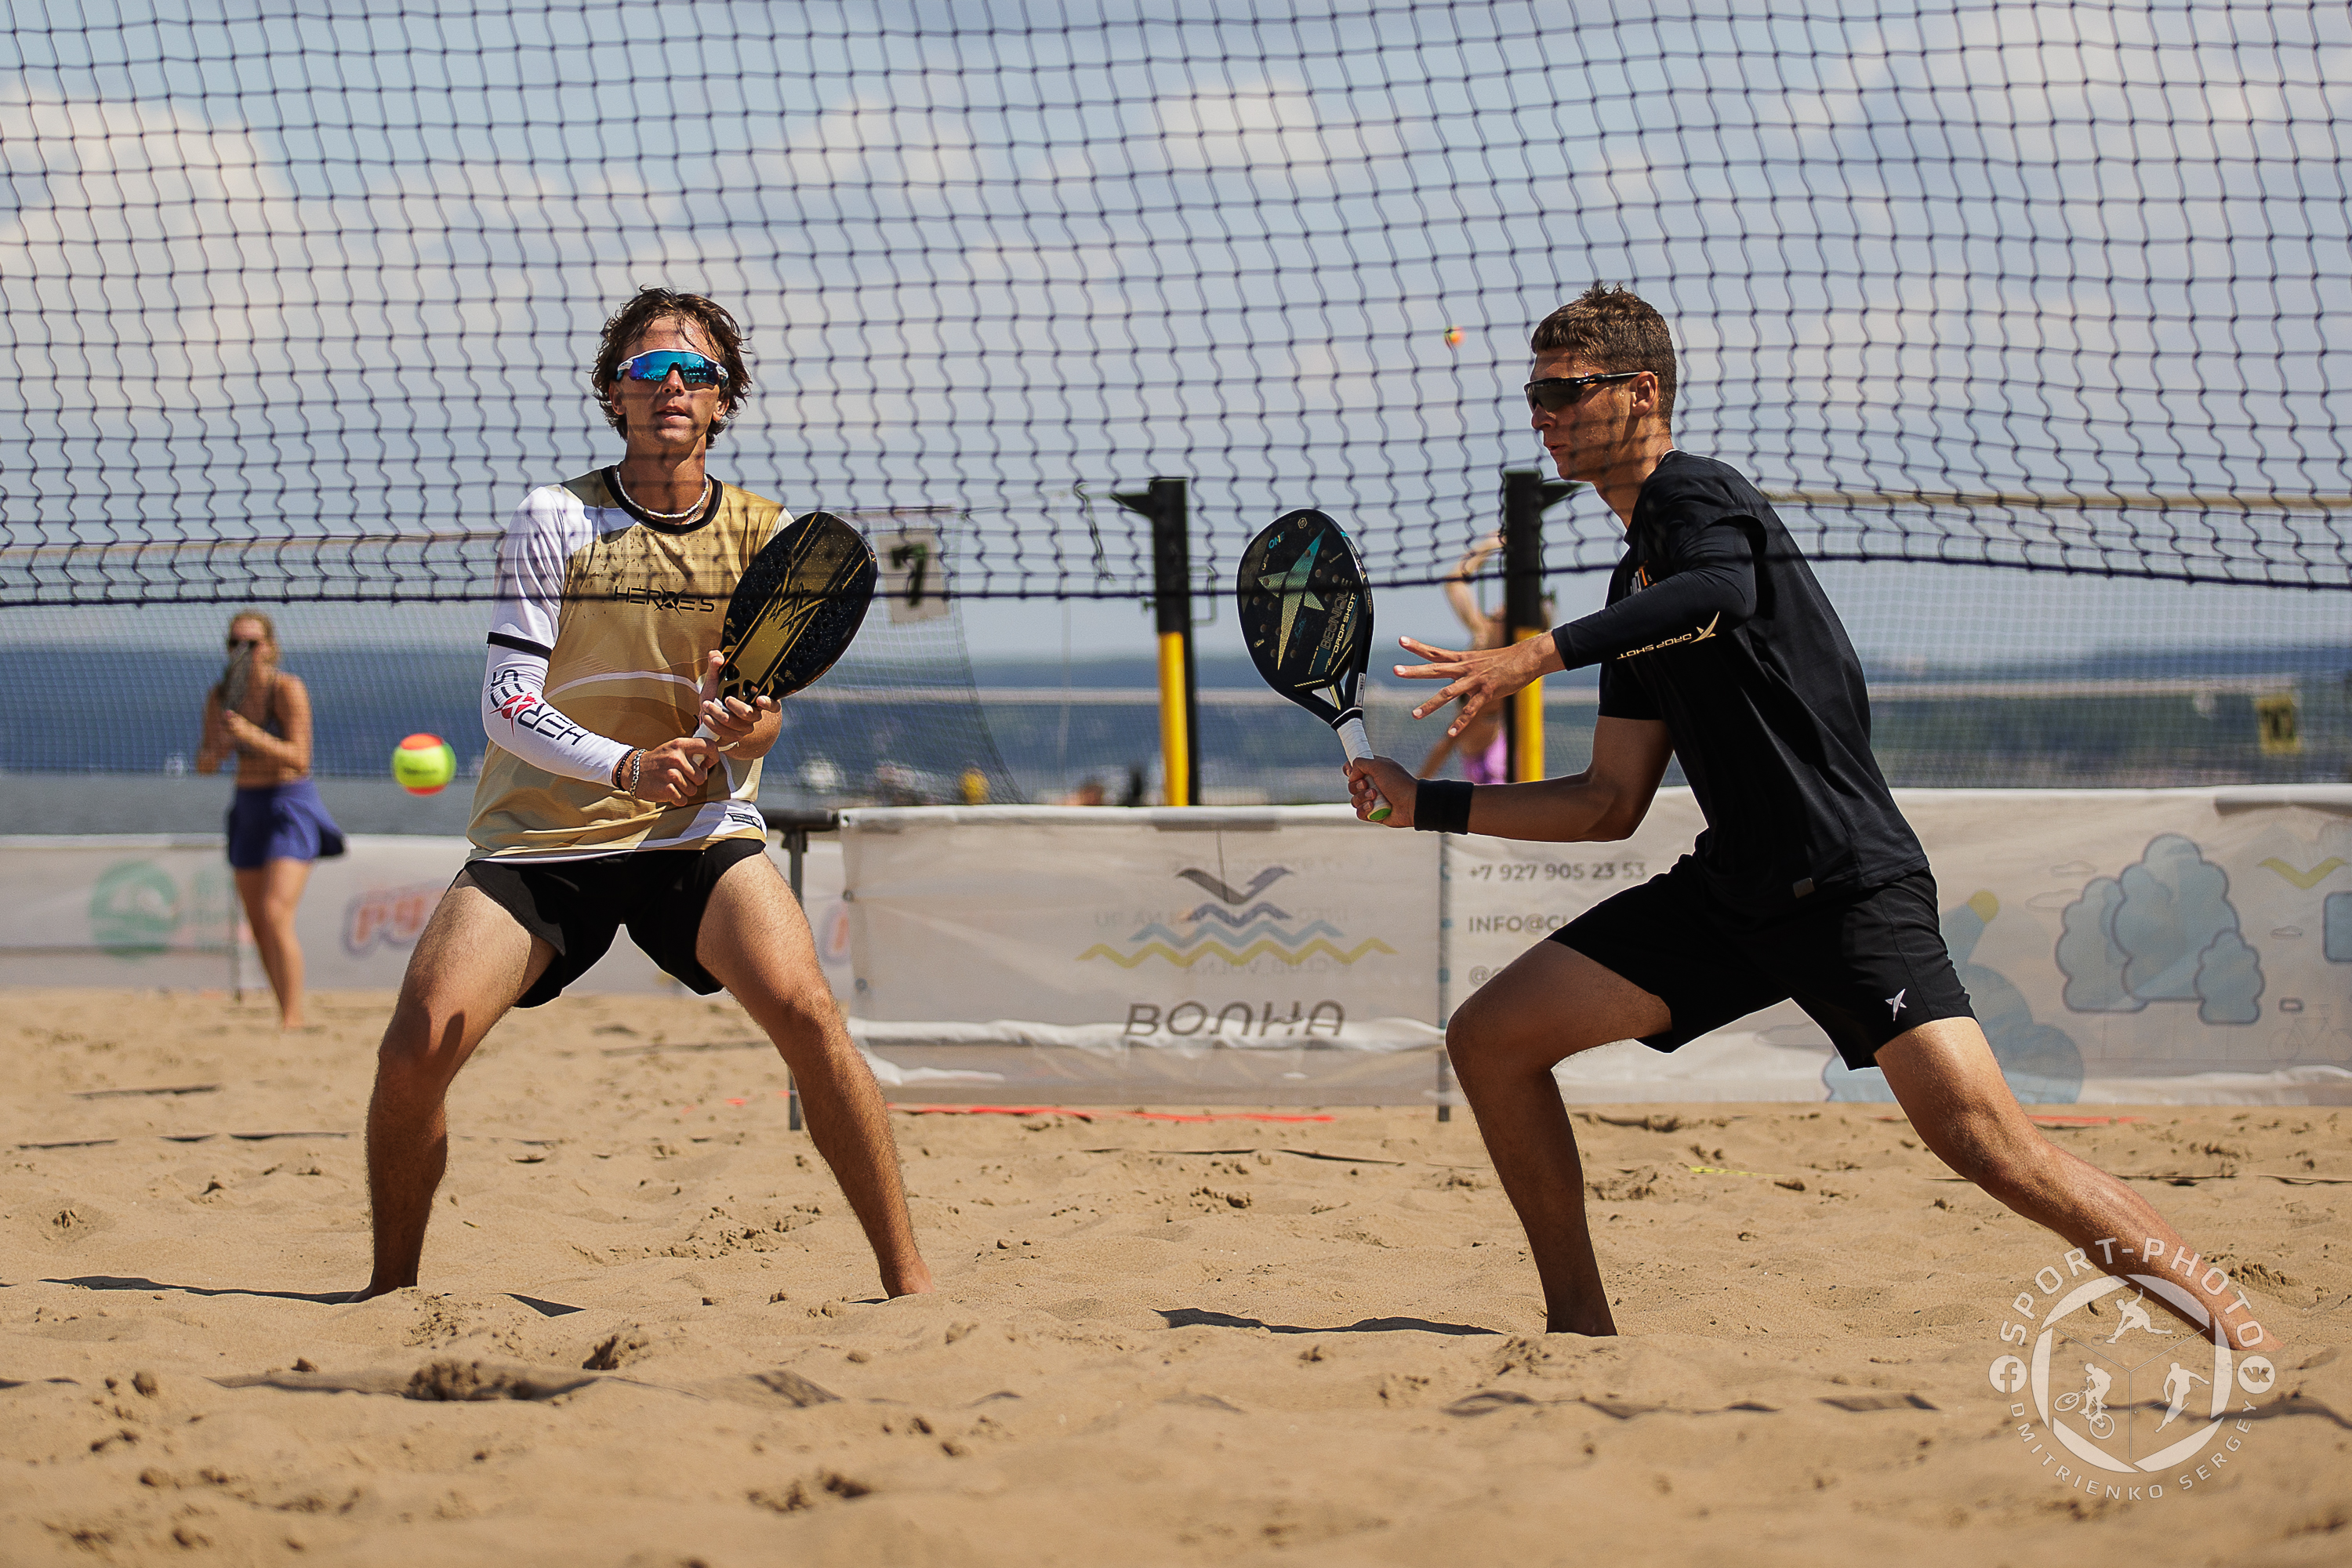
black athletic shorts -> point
(575, 906)
(1866, 967)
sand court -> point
(649, 1329)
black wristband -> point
(1442, 806)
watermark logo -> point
(2116, 1396)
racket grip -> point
(705, 732)
(1359, 747)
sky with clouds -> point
(2058, 272)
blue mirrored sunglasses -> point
(694, 369)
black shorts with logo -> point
(577, 906)
(1865, 967)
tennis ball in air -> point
(424, 764)
(1453, 337)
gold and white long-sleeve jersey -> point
(604, 618)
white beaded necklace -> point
(699, 502)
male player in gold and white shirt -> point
(598, 806)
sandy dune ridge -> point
(650, 1333)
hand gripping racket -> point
(796, 609)
(1306, 615)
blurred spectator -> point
(277, 824)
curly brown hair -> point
(1611, 326)
(634, 318)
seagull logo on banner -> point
(1238, 938)
(1292, 586)
(1226, 890)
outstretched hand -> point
(1478, 677)
(742, 729)
(1372, 781)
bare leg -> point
(470, 965)
(756, 941)
(1948, 1082)
(270, 894)
(1551, 1003)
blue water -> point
(119, 764)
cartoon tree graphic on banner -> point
(2164, 931)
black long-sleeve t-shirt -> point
(1715, 625)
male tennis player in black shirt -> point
(1718, 646)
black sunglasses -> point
(236, 643)
(1554, 393)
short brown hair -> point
(1611, 326)
(634, 318)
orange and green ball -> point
(424, 764)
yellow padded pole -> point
(1526, 714)
(1175, 739)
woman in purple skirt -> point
(276, 825)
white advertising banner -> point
(157, 912)
(2146, 946)
(2119, 945)
(153, 911)
(1216, 954)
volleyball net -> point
(2036, 321)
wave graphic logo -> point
(1238, 928)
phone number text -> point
(1560, 871)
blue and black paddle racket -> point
(1306, 615)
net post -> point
(1163, 502)
(1527, 495)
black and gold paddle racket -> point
(796, 609)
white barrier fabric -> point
(156, 911)
(134, 910)
(1207, 954)
(2147, 946)
(2143, 946)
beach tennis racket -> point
(796, 609)
(1306, 615)
(235, 678)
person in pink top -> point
(1484, 748)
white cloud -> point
(880, 153)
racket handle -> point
(705, 732)
(1359, 747)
